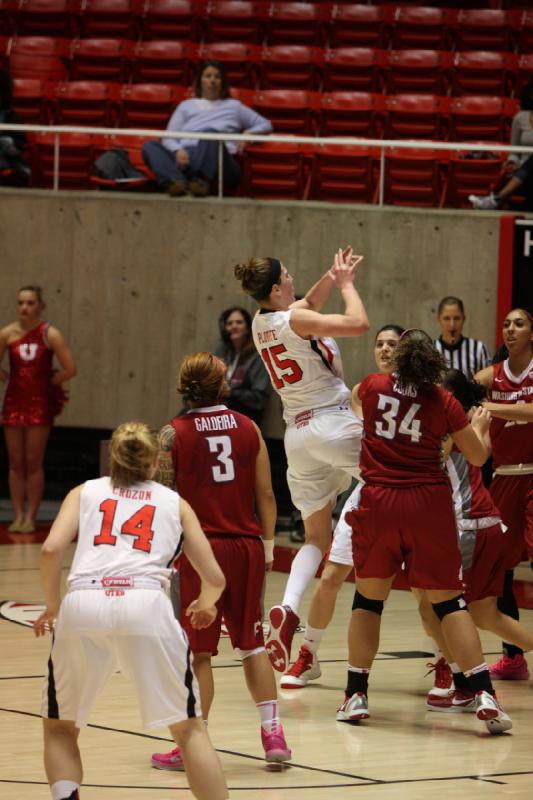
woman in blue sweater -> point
(182, 165)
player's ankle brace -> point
(450, 606)
(364, 603)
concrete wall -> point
(135, 282)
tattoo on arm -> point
(165, 468)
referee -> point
(459, 352)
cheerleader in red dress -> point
(33, 397)
(509, 386)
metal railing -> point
(382, 144)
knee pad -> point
(362, 602)
(450, 606)
(247, 653)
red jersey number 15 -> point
(282, 370)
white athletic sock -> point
(63, 789)
(455, 668)
(303, 570)
(313, 637)
(268, 711)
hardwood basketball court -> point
(403, 751)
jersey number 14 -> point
(139, 525)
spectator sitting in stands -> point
(246, 374)
(190, 164)
(521, 181)
(12, 143)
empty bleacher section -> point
(448, 71)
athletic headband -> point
(273, 278)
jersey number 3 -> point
(282, 370)
(139, 525)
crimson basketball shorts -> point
(483, 555)
(513, 496)
(415, 525)
(96, 634)
(242, 560)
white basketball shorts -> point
(95, 634)
(322, 457)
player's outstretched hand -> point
(201, 618)
(45, 623)
(344, 268)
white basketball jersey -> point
(306, 373)
(135, 531)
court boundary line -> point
(361, 780)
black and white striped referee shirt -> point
(468, 355)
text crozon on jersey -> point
(512, 442)
(214, 454)
(403, 431)
(133, 532)
(306, 373)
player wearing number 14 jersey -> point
(116, 611)
(323, 434)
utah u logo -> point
(27, 351)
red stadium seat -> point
(413, 178)
(415, 116)
(294, 23)
(29, 99)
(524, 69)
(163, 62)
(359, 26)
(44, 67)
(91, 103)
(43, 17)
(245, 96)
(133, 146)
(240, 60)
(40, 46)
(100, 59)
(419, 71)
(351, 114)
(114, 18)
(524, 31)
(476, 118)
(232, 21)
(471, 176)
(482, 29)
(274, 171)
(421, 27)
(289, 110)
(76, 156)
(291, 66)
(483, 72)
(344, 174)
(149, 105)
(361, 69)
(172, 19)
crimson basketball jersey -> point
(214, 454)
(134, 531)
(512, 442)
(403, 431)
(471, 498)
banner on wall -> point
(515, 272)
